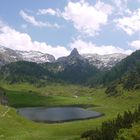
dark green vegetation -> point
(109, 129)
(31, 84)
(31, 72)
(126, 72)
(22, 71)
(132, 133)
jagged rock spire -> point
(74, 52)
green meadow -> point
(16, 127)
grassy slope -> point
(14, 127)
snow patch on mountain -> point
(8, 55)
(104, 61)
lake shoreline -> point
(59, 114)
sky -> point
(57, 26)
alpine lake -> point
(57, 114)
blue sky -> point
(56, 27)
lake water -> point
(57, 114)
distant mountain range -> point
(104, 61)
(73, 68)
(20, 66)
(8, 55)
(99, 61)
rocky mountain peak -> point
(73, 59)
(74, 52)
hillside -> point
(14, 126)
(121, 71)
(128, 64)
(126, 72)
(72, 69)
(125, 76)
(23, 71)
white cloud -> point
(120, 3)
(13, 39)
(49, 11)
(46, 11)
(31, 19)
(87, 18)
(34, 22)
(130, 24)
(121, 7)
(135, 44)
(90, 48)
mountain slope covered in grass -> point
(14, 126)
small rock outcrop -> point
(3, 98)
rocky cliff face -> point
(73, 58)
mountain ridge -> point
(8, 55)
(104, 61)
(74, 69)
(99, 61)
